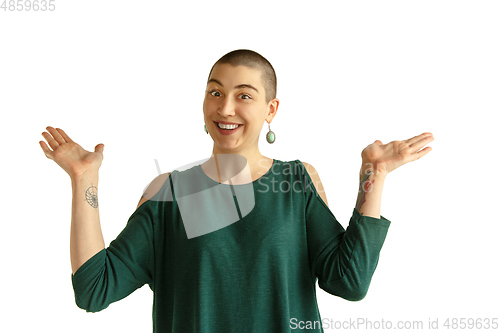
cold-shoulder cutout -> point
(313, 174)
(153, 188)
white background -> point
(132, 75)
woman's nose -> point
(226, 108)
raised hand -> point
(69, 155)
(386, 158)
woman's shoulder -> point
(314, 176)
(153, 188)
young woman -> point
(235, 244)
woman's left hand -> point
(383, 159)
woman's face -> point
(236, 95)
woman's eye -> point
(245, 95)
(214, 92)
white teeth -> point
(223, 126)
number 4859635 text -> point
(28, 5)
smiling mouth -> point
(227, 127)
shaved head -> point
(252, 60)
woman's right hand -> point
(69, 155)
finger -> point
(57, 136)
(99, 148)
(418, 138)
(64, 135)
(52, 143)
(421, 153)
(46, 150)
(422, 142)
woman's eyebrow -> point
(244, 85)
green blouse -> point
(235, 258)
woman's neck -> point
(237, 169)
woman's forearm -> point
(369, 198)
(86, 236)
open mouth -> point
(227, 128)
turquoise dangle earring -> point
(270, 136)
(205, 126)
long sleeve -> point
(126, 265)
(343, 260)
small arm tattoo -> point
(91, 196)
(365, 186)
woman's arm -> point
(378, 161)
(86, 238)
(370, 192)
(82, 166)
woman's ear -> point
(272, 109)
